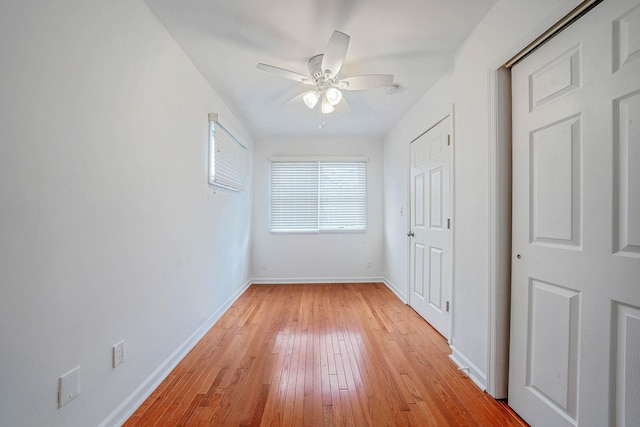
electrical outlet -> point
(264, 265)
(68, 387)
(118, 354)
(369, 265)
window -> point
(227, 157)
(318, 195)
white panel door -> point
(431, 243)
(575, 310)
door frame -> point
(450, 115)
(499, 227)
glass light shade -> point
(334, 96)
(311, 98)
(326, 106)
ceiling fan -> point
(324, 70)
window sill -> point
(319, 231)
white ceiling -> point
(414, 40)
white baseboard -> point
(135, 399)
(396, 290)
(466, 366)
(292, 281)
(301, 280)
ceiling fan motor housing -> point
(323, 81)
(315, 67)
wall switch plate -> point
(68, 387)
(118, 354)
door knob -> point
(410, 234)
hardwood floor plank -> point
(320, 355)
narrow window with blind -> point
(227, 157)
(318, 195)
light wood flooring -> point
(320, 355)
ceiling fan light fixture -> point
(326, 87)
(311, 98)
(326, 106)
(334, 96)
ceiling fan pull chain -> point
(320, 118)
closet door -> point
(575, 311)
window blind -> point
(318, 196)
(227, 157)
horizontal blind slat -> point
(318, 195)
(228, 159)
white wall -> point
(108, 228)
(508, 27)
(316, 257)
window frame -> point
(319, 229)
(236, 157)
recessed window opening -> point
(318, 196)
(227, 157)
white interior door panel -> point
(575, 310)
(431, 243)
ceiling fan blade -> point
(295, 100)
(343, 106)
(284, 73)
(367, 81)
(335, 53)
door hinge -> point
(448, 223)
(447, 307)
(448, 139)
